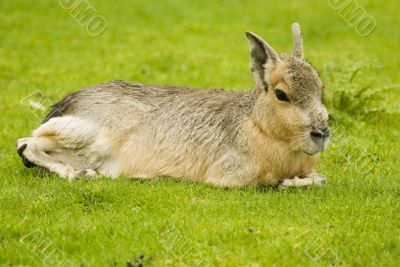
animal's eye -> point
(281, 95)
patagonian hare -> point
(270, 135)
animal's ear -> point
(297, 41)
(261, 53)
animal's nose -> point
(317, 134)
(326, 132)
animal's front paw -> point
(311, 179)
(318, 179)
(86, 173)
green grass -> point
(353, 221)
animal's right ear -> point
(261, 53)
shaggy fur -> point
(222, 137)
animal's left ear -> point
(297, 41)
(261, 53)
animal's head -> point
(288, 93)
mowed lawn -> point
(46, 53)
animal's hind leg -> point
(20, 150)
(34, 152)
(55, 146)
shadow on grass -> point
(164, 181)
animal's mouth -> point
(317, 146)
(309, 153)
